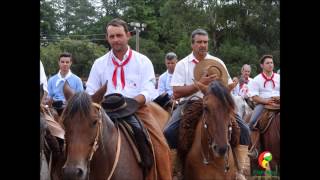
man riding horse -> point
(184, 86)
(264, 89)
(131, 74)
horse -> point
(207, 154)
(96, 147)
(266, 137)
(51, 151)
(243, 108)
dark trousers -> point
(171, 130)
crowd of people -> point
(131, 74)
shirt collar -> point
(191, 57)
(124, 57)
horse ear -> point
(98, 96)
(67, 91)
(203, 88)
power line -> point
(75, 35)
(42, 39)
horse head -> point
(218, 108)
(82, 119)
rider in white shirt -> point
(263, 87)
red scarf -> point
(116, 65)
(246, 81)
(268, 79)
(195, 61)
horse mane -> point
(79, 102)
(191, 113)
(222, 93)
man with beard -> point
(184, 88)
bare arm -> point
(183, 91)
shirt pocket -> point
(132, 81)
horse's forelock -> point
(222, 93)
(81, 103)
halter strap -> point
(95, 144)
(117, 155)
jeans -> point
(256, 113)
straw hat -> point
(212, 67)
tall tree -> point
(77, 15)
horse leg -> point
(271, 142)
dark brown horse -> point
(210, 155)
(267, 138)
(51, 143)
(95, 146)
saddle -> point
(262, 125)
(54, 127)
(164, 101)
(139, 140)
(266, 117)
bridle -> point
(96, 145)
(209, 144)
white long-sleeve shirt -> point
(139, 76)
(43, 78)
(183, 72)
(267, 90)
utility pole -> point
(138, 27)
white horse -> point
(243, 108)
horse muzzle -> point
(74, 173)
(219, 150)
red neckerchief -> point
(268, 79)
(195, 61)
(246, 81)
(116, 65)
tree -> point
(84, 53)
(47, 21)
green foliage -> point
(237, 52)
(84, 53)
(239, 31)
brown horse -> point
(210, 155)
(267, 138)
(96, 148)
(51, 141)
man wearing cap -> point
(264, 88)
(165, 78)
(131, 74)
(184, 86)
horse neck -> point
(107, 144)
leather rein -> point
(95, 144)
(209, 144)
